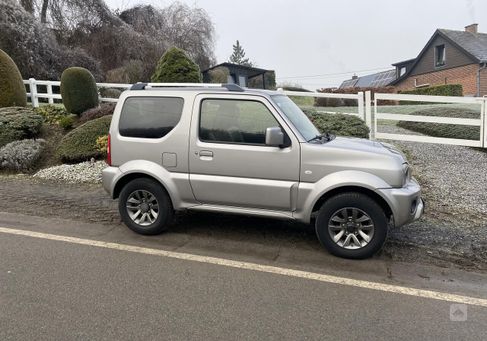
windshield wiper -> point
(322, 137)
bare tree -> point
(34, 48)
(45, 4)
(28, 5)
(179, 25)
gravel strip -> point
(77, 173)
(454, 178)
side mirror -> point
(274, 137)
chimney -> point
(473, 28)
(354, 76)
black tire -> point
(165, 209)
(347, 202)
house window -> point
(440, 55)
(402, 71)
(242, 81)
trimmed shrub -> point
(18, 123)
(12, 89)
(444, 130)
(21, 155)
(80, 144)
(104, 109)
(67, 122)
(102, 144)
(439, 90)
(175, 67)
(338, 124)
(78, 90)
(52, 114)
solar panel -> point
(349, 83)
(383, 78)
(375, 80)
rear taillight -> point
(109, 151)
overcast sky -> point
(319, 43)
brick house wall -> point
(465, 75)
(483, 82)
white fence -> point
(34, 95)
(371, 118)
(359, 97)
(476, 122)
(364, 110)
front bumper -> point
(406, 202)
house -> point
(449, 57)
(376, 80)
(245, 76)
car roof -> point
(199, 88)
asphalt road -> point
(61, 290)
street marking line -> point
(435, 295)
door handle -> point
(206, 153)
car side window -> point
(235, 121)
(150, 117)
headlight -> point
(407, 173)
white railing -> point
(364, 110)
(34, 95)
(359, 97)
(480, 122)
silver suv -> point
(222, 148)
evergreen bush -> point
(175, 67)
(78, 90)
(12, 89)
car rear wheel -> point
(352, 225)
(145, 207)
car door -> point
(229, 162)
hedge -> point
(439, 90)
(338, 124)
(345, 102)
(81, 143)
(444, 130)
(18, 123)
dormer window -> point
(402, 71)
(440, 55)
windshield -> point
(298, 118)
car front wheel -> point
(352, 225)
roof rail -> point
(142, 86)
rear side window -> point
(150, 117)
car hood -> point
(345, 154)
(367, 146)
